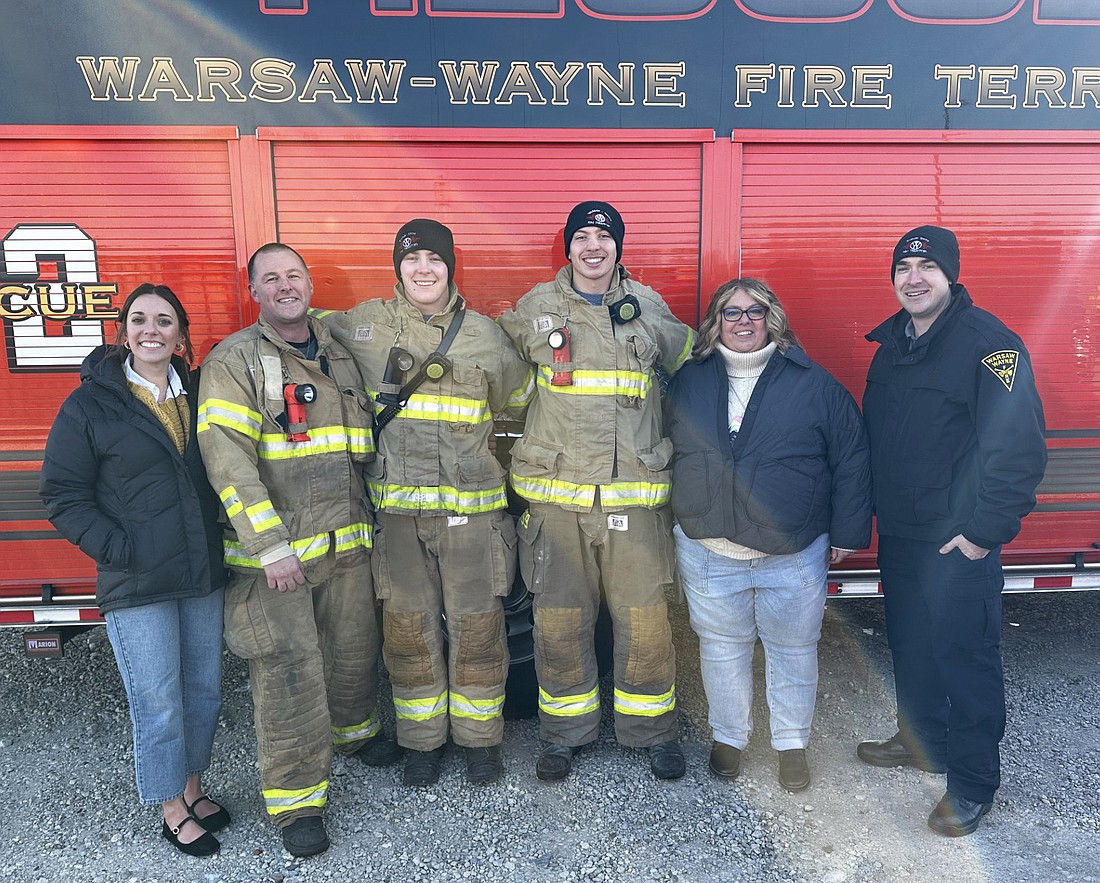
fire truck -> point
(793, 140)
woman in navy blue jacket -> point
(770, 484)
(122, 478)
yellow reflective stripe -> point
(354, 536)
(318, 313)
(522, 395)
(368, 729)
(645, 705)
(420, 709)
(322, 440)
(635, 493)
(279, 800)
(685, 352)
(231, 501)
(450, 409)
(599, 383)
(476, 709)
(441, 498)
(219, 412)
(263, 516)
(360, 441)
(306, 549)
(553, 490)
(620, 494)
(569, 706)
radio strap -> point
(437, 357)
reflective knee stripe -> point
(420, 709)
(370, 728)
(645, 705)
(279, 801)
(476, 709)
(569, 706)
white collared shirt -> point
(175, 385)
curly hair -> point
(166, 294)
(779, 331)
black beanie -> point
(424, 233)
(937, 244)
(596, 214)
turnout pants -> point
(943, 623)
(428, 567)
(313, 661)
(568, 559)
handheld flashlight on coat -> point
(559, 343)
(398, 363)
(297, 396)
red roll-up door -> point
(341, 202)
(819, 223)
(106, 211)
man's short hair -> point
(269, 248)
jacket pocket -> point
(479, 470)
(530, 456)
(920, 491)
(782, 496)
(694, 481)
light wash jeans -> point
(170, 657)
(781, 599)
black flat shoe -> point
(204, 846)
(213, 822)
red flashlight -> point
(297, 396)
(559, 343)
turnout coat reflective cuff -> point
(798, 468)
(956, 427)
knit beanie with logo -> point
(594, 213)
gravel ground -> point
(68, 809)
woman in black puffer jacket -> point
(122, 479)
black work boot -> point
(423, 767)
(305, 836)
(484, 765)
(666, 760)
(379, 750)
(555, 762)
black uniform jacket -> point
(115, 485)
(798, 468)
(956, 427)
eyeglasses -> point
(755, 312)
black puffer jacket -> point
(798, 468)
(115, 485)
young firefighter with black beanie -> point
(593, 465)
(444, 544)
(957, 450)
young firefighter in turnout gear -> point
(300, 605)
(593, 464)
(957, 450)
(445, 545)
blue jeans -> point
(781, 600)
(170, 657)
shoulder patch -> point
(1003, 364)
